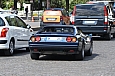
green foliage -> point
(58, 3)
(74, 2)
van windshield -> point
(89, 10)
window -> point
(11, 20)
(89, 10)
(2, 23)
(58, 30)
(20, 23)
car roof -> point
(4, 15)
(59, 25)
(84, 4)
(99, 2)
(55, 9)
(90, 4)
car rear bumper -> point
(3, 44)
(49, 23)
(54, 49)
(3, 41)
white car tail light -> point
(4, 32)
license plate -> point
(89, 22)
(54, 38)
(51, 19)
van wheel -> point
(10, 51)
(108, 36)
(113, 35)
(27, 49)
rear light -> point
(61, 18)
(105, 28)
(74, 39)
(68, 39)
(4, 32)
(73, 19)
(34, 39)
(38, 39)
(73, 15)
(71, 39)
(106, 15)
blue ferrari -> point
(61, 40)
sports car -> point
(62, 40)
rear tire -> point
(108, 36)
(81, 54)
(113, 35)
(34, 56)
(10, 51)
(27, 49)
(89, 52)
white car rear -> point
(14, 33)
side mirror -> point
(28, 26)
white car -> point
(14, 33)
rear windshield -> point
(69, 30)
(89, 10)
(2, 22)
(49, 12)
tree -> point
(74, 2)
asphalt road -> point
(101, 63)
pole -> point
(48, 4)
(38, 9)
(0, 2)
(67, 5)
(15, 4)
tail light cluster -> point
(61, 18)
(35, 39)
(106, 15)
(73, 15)
(4, 32)
(71, 39)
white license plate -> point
(54, 38)
(89, 22)
(51, 19)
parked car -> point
(61, 40)
(55, 16)
(93, 18)
(15, 33)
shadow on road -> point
(66, 58)
(19, 52)
(102, 39)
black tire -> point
(89, 52)
(27, 49)
(108, 36)
(113, 35)
(10, 51)
(34, 56)
(81, 54)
